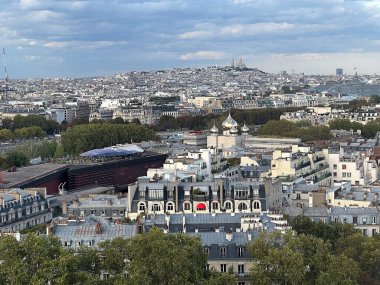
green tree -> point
(17, 158)
(5, 134)
(218, 278)
(159, 258)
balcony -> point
(200, 197)
(318, 159)
(303, 165)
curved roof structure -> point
(245, 129)
(229, 122)
(118, 150)
(214, 129)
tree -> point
(136, 121)
(299, 259)
(167, 123)
(344, 124)
(85, 137)
(5, 134)
(218, 278)
(159, 258)
(17, 158)
(118, 120)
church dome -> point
(214, 129)
(245, 129)
(233, 130)
(229, 122)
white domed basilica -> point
(230, 136)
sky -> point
(81, 38)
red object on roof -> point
(201, 206)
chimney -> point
(98, 228)
(167, 219)
(64, 207)
(229, 236)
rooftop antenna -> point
(5, 71)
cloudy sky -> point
(67, 38)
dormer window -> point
(241, 251)
(223, 251)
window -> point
(241, 269)
(215, 205)
(223, 251)
(102, 212)
(348, 174)
(170, 207)
(142, 207)
(373, 232)
(156, 194)
(373, 220)
(355, 220)
(335, 166)
(186, 206)
(364, 221)
(223, 268)
(344, 174)
(298, 196)
(242, 206)
(156, 208)
(241, 194)
(241, 283)
(241, 251)
(206, 250)
(121, 212)
(228, 205)
(365, 232)
(256, 205)
(344, 166)
(334, 174)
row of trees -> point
(151, 258)
(368, 130)
(251, 117)
(49, 126)
(22, 133)
(81, 138)
(303, 130)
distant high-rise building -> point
(339, 72)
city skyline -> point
(93, 38)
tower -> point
(5, 73)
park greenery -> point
(205, 122)
(303, 130)
(151, 258)
(81, 138)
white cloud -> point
(205, 54)
(32, 57)
(238, 30)
(27, 4)
(83, 44)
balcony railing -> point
(302, 165)
(199, 197)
